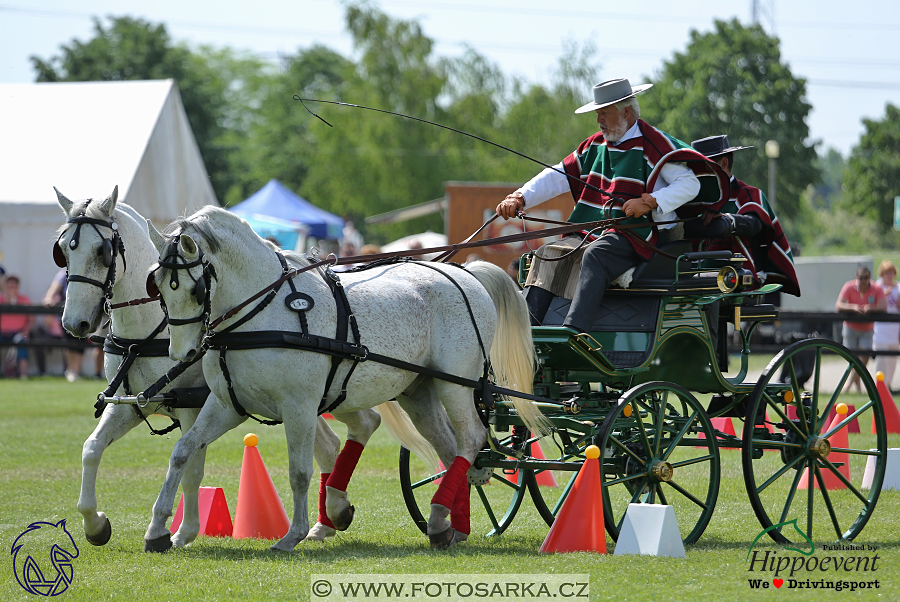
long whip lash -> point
(303, 101)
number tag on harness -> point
(299, 302)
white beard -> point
(615, 133)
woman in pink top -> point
(860, 296)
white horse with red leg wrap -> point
(428, 316)
(82, 313)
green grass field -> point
(44, 422)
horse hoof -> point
(342, 522)
(442, 540)
(160, 544)
(101, 538)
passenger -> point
(746, 224)
(653, 172)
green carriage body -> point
(631, 387)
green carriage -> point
(646, 385)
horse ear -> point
(188, 246)
(159, 241)
(109, 205)
(65, 203)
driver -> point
(653, 173)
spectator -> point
(886, 335)
(15, 328)
(513, 270)
(56, 296)
(370, 250)
(860, 296)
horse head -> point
(87, 247)
(181, 281)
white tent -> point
(85, 139)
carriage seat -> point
(628, 318)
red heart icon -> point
(777, 582)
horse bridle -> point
(174, 262)
(109, 250)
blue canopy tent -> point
(288, 235)
(277, 201)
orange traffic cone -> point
(259, 512)
(723, 425)
(891, 415)
(579, 525)
(215, 518)
(840, 459)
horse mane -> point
(200, 226)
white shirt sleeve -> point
(675, 186)
(545, 186)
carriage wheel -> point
(499, 494)
(651, 451)
(548, 500)
(796, 476)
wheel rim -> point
(651, 452)
(822, 503)
(493, 505)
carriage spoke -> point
(839, 387)
(679, 436)
(780, 472)
(686, 493)
(825, 496)
(662, 496)
(801, 411)
(643, 431)
(810, 496)
(487, 508)
(834, 469)
(660, 421)
(816, 380)
(624, 479)
(790, 423)
(790, 498)
(626, 450)
(427, 480)
(848, 419)
(690, 461)
(506, 482)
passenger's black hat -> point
(713, 146)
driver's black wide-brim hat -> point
(714, 146)
(610, 92)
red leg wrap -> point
(323, 518)
(452, 481)
(345, 465)
(459, 512)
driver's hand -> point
(641, 206)
(511, 205)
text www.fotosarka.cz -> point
(449, 587)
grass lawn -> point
(43, 423)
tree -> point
(134, 49)
(732, 81)
(872, 178)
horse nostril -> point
(190, 354)
(84, 326)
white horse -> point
(97, 267)
(437, 316)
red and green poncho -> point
(632, 169)
(773, 254)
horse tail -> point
(401, 428)
(512, 352)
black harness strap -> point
(132, 349)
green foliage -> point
(210, 83)
(732, 81)
(873, 172)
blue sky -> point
(851, 59)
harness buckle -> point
(364, 356)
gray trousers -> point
(604, 260)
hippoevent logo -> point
(42, 558)
(807, 570)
